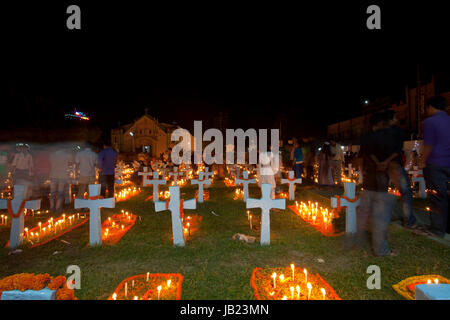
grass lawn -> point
(216, 267)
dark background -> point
(306, 65)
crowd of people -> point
(48, 171)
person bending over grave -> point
(376, 203)
(107, 159)
(59, 177)
(436, 163)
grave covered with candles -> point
(149, 286)
(407, 288)
(290, 283)
(116, 226)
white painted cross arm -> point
(350, 202)
(291, 181)
(145, 174)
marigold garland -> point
(406, 288)
(30, 281)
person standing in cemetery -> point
(394, 167)
(298, 160)
(435, 162)
(267, 171)
(308, 156)
(41, 170)
(336, 160)
(22, 167)
(325, 175)
(60, 160)
(375, 209)
(106, 164)
(86, 162)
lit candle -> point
(292, 293)
(323, 293)
(159, 291)
(284, 298)
(306, 274)
(135, 298)
(282, 277)
(114, 296)
(126, 289)
(251, 222)
(40, 226)
(298, 292)
(168, 283)
(148, 273)
(429, 281)
(132, 284)
(309, 289)
(248, 212)
(436, 281)
(292, 267)
(274, 276)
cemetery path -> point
(213, 265)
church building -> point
(146, 134)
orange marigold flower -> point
(65, 294)
(57, 283)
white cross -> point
(266, 203)
(245, 182)
(350, 216)
(155, 182)
(145, 174)
(292, 181)
(95, 223)
(201, 181)
(174, 207)
(16, 235)
(207, 173)
(417, 176)
(175, 175)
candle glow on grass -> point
(268, 286)
(126, 193)
(146, 287)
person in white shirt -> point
(267, 171)
(337, 158)
(86, 162)
(59, 178)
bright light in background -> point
(131, 134)
(366, 101)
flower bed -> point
(115, 227)
(150, 286)
(279, 284)
(29, 281)
(53, 229)
(319, 218)
(406, 288)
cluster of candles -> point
(229, 182)
(116, 224)
(315, 215)
(284, 195)
(295, 286)
(180, 182)
(164, 195)
(394, 191)
(127, 193)
(158, 288)
(238, 194)
(4, 220)
(187, 226)
(52, 226)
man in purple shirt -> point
(107, 159)
(435, 162)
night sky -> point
(309, 65)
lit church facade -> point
(146, 134)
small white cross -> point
(350, 216)
(174, 207)
(95, 221)
(292, 181)
(17, 224)
(245, 182)
(155, 182)
(266, 203)
(201, 181)
(145, 174)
